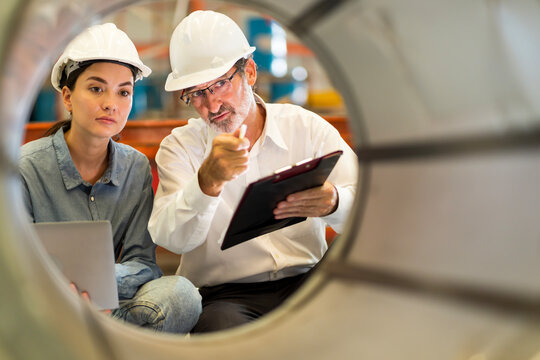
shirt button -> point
(92, 198)
(106, 180)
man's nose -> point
(213, 102)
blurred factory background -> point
(288, 70)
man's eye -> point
(125, 93)
(196, 94)
(219, 84)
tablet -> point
(254, 215)
(83, 252)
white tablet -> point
(83, 251)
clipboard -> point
(254, 215)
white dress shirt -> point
(186, 221)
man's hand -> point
(315, 202)
(227, 160)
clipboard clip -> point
(288, 167)
(293, 170)
(303, 161)
(285, 168)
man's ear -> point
(66, 97)
(251, 72)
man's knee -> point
(222, 315)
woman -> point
(80, 173)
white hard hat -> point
(99, 42)
(204, 46)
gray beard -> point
(223, 126)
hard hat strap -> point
(70, 67)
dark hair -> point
(73, 76)
(70, 81)
(241, 63)
(66, 124)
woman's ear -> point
(251, 72)
(66, 97)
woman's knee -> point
(176, 298)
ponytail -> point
(66, 124)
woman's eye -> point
(125, 93)
(95, 89)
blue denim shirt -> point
(54, 191)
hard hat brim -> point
(201, 77)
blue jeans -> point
(169, 304)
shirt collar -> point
(70, 175)
(271, 129)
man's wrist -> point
(336, 203)
(209, 187)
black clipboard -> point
(254, 215)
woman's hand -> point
(84, 294)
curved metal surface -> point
(429, 225)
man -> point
(205, 166)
